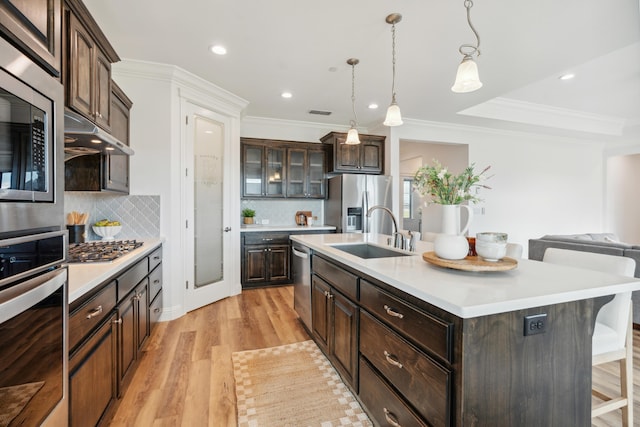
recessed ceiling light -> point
(373, 106)
(109, 148)
(286, 95)
(567, 76)
(218, 49)
(96, 141)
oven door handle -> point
(18, 298)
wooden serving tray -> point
(471, 263)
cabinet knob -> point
(391, 312)
(227, 229)
(391, 418)
(116, 321)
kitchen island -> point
(428, 345)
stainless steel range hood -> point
(81, 137)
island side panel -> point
(509, 379)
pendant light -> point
(394, 118)
(352, 135)
(467, 78)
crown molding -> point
(545, 115)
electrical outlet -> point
(535, 324)
(265, 222)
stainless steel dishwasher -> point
(301, 272)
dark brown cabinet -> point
(92, 375)
(88, 67)
(334, 320)
(263, 171)
(278, 169)
(108, 329)
(35, 28)
(266, 259)
(366, 157)
(305, 173)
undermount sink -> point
(365, 250)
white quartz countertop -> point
(258, 228)
(85, 276)
(472, 294)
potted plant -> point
(248, 215)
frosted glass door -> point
(208, 157)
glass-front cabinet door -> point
(276, 173)
(316, 183)
(296, 178)
(252, 160)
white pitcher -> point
(451, 243)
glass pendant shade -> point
(467, 78)
(394, 118)
(352, 137)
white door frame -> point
(196, 298)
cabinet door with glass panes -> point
(252, 170)
(275, 171)
(316, 184)
(263, 172)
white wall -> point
(541, 184)
(623, 203)
(156, 118)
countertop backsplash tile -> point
(139, 215)
(283, 212)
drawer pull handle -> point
(266, 239)
(391, 418)
(95, 312)
(156, 281)
(393, 360)
(391, 312)
(157, 257)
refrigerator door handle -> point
(365, 209)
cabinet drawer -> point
(155, 310)
(423, 383)
(132, 277)
(155, 282)
(340, 279)
(382, 403)
(90, 314)
(155, 258)
(426, 330)
(265, 238)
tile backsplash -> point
(139, 215)
(283, 212)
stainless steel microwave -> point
(26, 143)
(31, 145)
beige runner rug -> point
(292, 385)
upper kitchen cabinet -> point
(366, 157)
(305, 173)
(87, 65)
(263, 170)
(34, 27)
(282, 169)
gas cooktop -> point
(100, 251)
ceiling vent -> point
(320, 112)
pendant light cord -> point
(353, 94)
(393, 63)
(473, 49)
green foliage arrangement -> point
(443, 188)
(248, 213)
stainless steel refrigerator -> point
(350, 197)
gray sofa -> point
(602, 243)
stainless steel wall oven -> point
(33, 319)
(33, 245)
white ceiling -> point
(302, 47)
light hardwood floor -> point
(185, 376)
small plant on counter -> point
(248, 215)
(437, 183)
